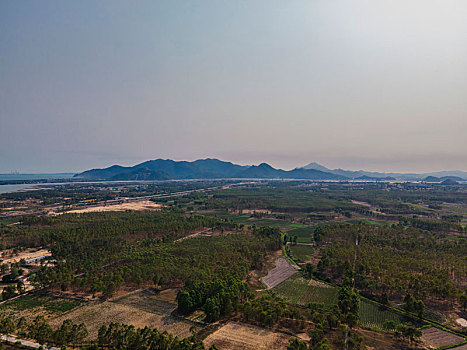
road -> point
(26, 343)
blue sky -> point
(380, 85)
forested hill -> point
(166, 169)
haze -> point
(379, 85)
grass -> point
(303, 234)
(301, 253)
(50, 304)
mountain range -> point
(439, 176)
(167, 169)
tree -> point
(409, 331)
(409, 301)
(463, 300)
(212, 310)
(40, 330)
(156, 279)
(14, 272)
(309, 269)
(296, 344)
(7, 326)
(20, 287)
(384, 299)
(419, 308)
(349, 305)
(9, 292)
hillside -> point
(166, 169)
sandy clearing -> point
(96, 314)
(247, 337)
(141, 205)
(27, 254)
(435, 338)
(283, 269)
(361, 203)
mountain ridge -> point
(212, 168)
(356, 174)
(209, 168)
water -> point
(12, 177)
(15, 188)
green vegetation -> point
(319, 294)
(379, 240)
(292, 288)
(376, 317)
(395, 258)
(303, 234)
(50, 304)
(301, 253)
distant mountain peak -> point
(315, 166)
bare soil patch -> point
(283, 270)
(247, 337)
(462, 322)
(435, 338)
(141, 205)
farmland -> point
(31, 305)
(140, 309)
(242, 336)
(436, 338)
(298, 290)
(301, 253)
(303, 234)
(283, 269)
(374, 316)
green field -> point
(301, 253)
(292, 288)
(319, 294)
(303, 234)
(50, 304)
(373, 316)
(296, 290)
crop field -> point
(318, 294)
(373, 316)
(241, 336)
(139, 309)
(303, 234)
(45, 305)
(434, 337)
(279, 273)
(292, 288)
(301, 253)
(298, 290)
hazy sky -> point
(375, 84)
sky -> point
(359, 84)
